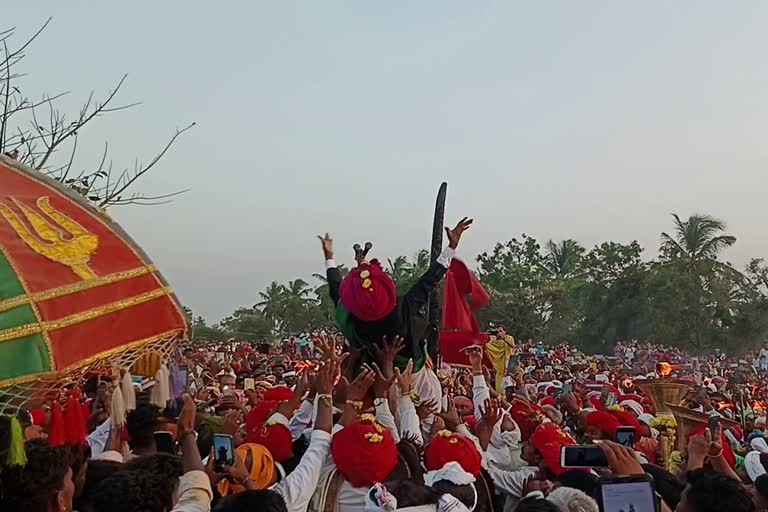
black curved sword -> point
(434, 307)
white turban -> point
(759, 444)
(634, 405)
(568, 499)
(754, 466)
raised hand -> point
(359, 387)
(386, 353)
(451, 416)
(454, 235)
(382, 384)
(405, 378)
(491, 412)
(426, 409)
(327, 244)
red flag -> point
(463, 294)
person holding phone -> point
(295, 490)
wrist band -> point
(326, 400)
(357, 405)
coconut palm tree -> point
(272, 303)
(563, 259)
(700, 238)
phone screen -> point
(249, 383)
(224, 451)
(625, 436)
(184, 375)
(627, 496)
(567, 388)
(713, 423)
(164, 442)
(584, 456)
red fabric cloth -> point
(447, 447)
(628, 420)
(605, 421)
(462, 296)
(368, 292)
(279, 394)
(364, 452)
(549, 439)
(275, 438)
(38, 416)
(259, 414)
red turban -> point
(275, 437)
(604, 421)
(39, 417)
(463, 402)
(368, 292)
(447, 447)
(528, 416)
(549, 439)
(728, 454)
(627, 420)
(259, 414)
(279, 394)
(548, 400)
(364, 452)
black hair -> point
(481, 493)
(761, 486)
(581, 480)
(248, 501)
(411, 494)
(536, 505)
(34, 487)
(141, 424)
(711, 492)
(669, 487)
(130, 491)
(166, 466)
(97, 471)
(408, 462)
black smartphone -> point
(625, 436)
(713, 423)
(583, 456)
(224, 451)
(636, 493)
(164, 442)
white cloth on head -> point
(754, 466)
(602, 378)
(646, 418)
(634, 405)
(759, 444)
(452, 472)
(568, 499)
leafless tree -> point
(37, 133)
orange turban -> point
(261, 470)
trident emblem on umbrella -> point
(59, 239)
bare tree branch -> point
(139, 173)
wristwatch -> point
(379, 401)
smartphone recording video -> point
(224, 451)
(635, 493)
(625, 436)
(164, 442)
(583, 456)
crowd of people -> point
(309, 433)
(366, 419)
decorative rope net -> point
(141, 361)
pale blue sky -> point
(592, 120)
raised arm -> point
(419, 293)
(332, 274)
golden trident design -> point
(65, 241)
